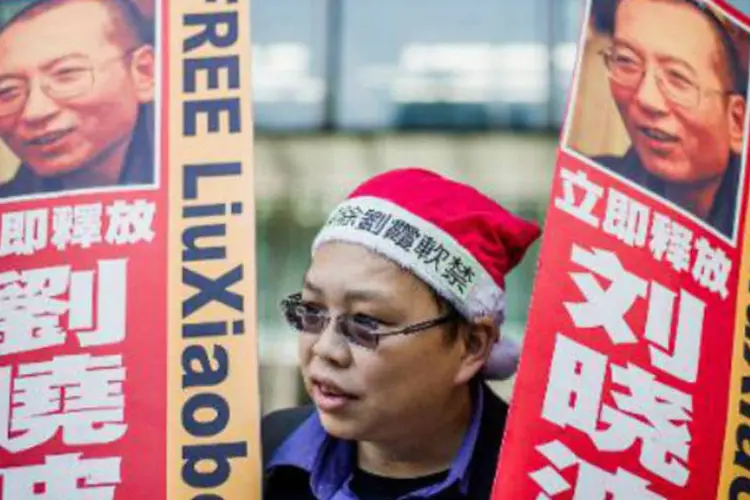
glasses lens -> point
(304, 318)
(71, 79)
(680, 85)
(359, 332)
(625, 66)
(12, 95)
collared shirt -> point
(138, 167)
(723, 210)
(330, 462)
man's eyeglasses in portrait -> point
(677, 81)
(66, 79)
(358, 329)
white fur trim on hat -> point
(503, 360)
(421, 247)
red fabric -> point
(497, 238)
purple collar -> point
(330, 461)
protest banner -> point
(633, 374)
(127, 283)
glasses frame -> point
(700, 91)
(295, 299)
(46, 86)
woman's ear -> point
(477, 338)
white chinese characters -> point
(34, 302)
(70, 400)
(130, 223)
(23, 233)
(580, 206)
(637, 226)
(607, 309)
(712, 268)
(27, 232)
(645, 411)
(63, 477)
(626, 219)
(593, 483)
(80, 225)
(671, 241)
(622, 407)
(80, 395)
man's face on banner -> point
(70, 87)
(671, 82)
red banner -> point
(624, 385)
(127, 346)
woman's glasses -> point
(357, 329)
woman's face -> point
(385, 393)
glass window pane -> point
(568, 18)
(741, 5)
(455, 63)
(288, 63)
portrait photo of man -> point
(661, 101)
(77, 87)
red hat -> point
(457, 240)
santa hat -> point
(457, 240)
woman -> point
(398, 315)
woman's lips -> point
(329, 396)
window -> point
(449, 64)
(289, 63)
